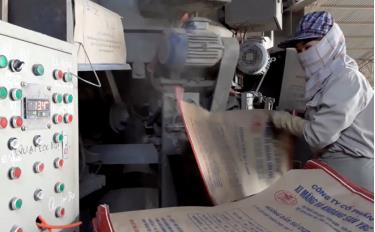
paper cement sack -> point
(238, 152)
(301, 201)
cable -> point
(45, 226)
(270, 60)
(99, 84)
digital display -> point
(37, 108)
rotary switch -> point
(16, 65)
(38, 195)
(13, 144)
(37, 140)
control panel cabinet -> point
(38, 130)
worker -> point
(339, 116)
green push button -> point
(3, 61)
(59, 187)
(68, 77)
(38, 69)
(68, 98)
(62, 187)
(61, 137)
(18, 94)
(18, 204)
(3, 92)
(59, 98)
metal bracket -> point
(226, 73)
(4, 10)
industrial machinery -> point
(167, 49)
(38, 131)
(219, 51)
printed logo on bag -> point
(285, 197)
(256, 125)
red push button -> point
(15, 173)
(57, 119)
(16, 122)
(59, 163)
(60, 212)
(68, 118)
(16, 229)
(3, 122)
(58, 74)
(39, 167)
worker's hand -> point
(285, 121)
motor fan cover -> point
(253, 57)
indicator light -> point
(3, 61)
(3, 122)
(3, 92)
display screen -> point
(37, 108)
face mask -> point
(310, 60)
(318, 60)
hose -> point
(43, 225)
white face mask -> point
(311, 60)
(317, 61)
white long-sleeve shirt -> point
(341, 115)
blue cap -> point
(314, 25)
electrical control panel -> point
(38, 131)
